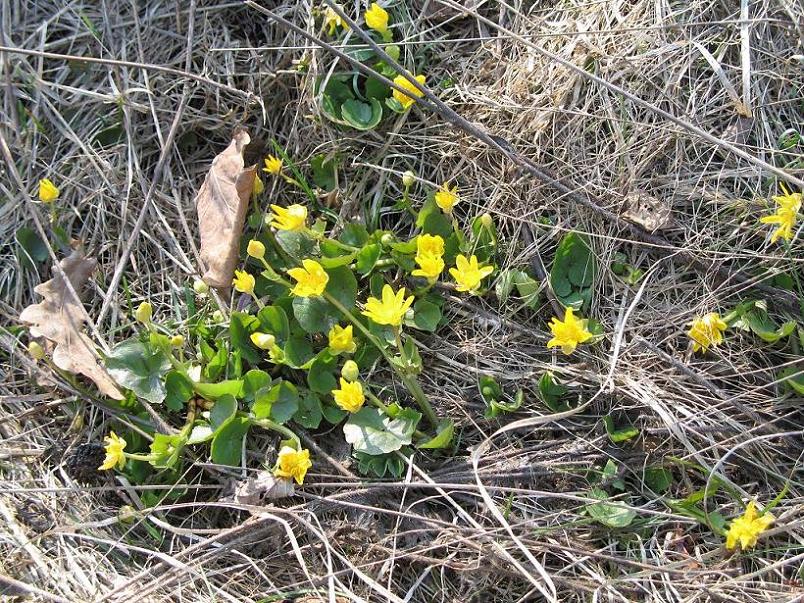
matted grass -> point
(128, 140)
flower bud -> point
(387, 239)
(256, 249)
(36, 351)
(177, 341)
(486, 220)
(264, 341)
(217, 316)
(350, 370)
(200, 287)
(127, 515)
(258, 186)
(144, 313)
(408, 179)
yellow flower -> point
(243, 282)
(341, 339)
(292, 463)
(706, 331)
(746, 529)
(568, 333)
(377, 18)
(787, 208)
(391, 309)
(350, 397)
(429, 252)
(446, 198)
(310, 280)
(264, 341)
(48, 192)
(144, 312)
(332, 20)
(177, 341)
(273, 165)
(257, 187)
(287, 218)
(256, 249)
(468, 274)
(406, 100)
(114, 452)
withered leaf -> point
(59, 318)
(262, 487)
(221, 203)
(650, 213)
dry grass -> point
(434, 536)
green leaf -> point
(433, 221)
(793, 378)
(426, 315)
(367, 258)
(200, 433)
(178, 389)
(658, 479)
(443, 438)
(333, 414)
(217, 364)
(619, 435)
(273, 320)
(310, 412)
(279, 403)
(342, 286)
(609, 514)
(241, 326)
(166, 450)
(376, 89)
(354, 234)
(337, 260)
(140, 368)
(320, 377)
(360, 115)
(762, 326)
(372, 433)
(573, 271)
(254, 381)
(32, 249)
(490, 390)
(295, 243)
(227, 443)
(527, 288)
(314, 314)
(551, 392)
(298, 351)
(495, 407)
(224, 409)
(381, 465)
(324, 172)
(213, 391)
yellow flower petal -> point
(243, 282)
(311, 280)
(292, 464)
(407, 98)
(350, 396)
(446, 198)
(568, 333)
(287, 218)
(341, 339)
(48, 192)
(468, 274)
(377, 18)
(114, 452)
(273, 165)
(706, 331)
(746, 530)
(391, 309)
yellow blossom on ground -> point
(310, 280)
(48, 192)
(341, 339)
(350, 396)
(256, 249)
(568, 333)
(446, 198)
(273, 165)
(787, 208)
(333, 20)
(391, 309)
(243, 282)
(707, 331)
(746, 530)
(377, 18)
(468, 274)
(429, 256)
(406, 99)
(257, 187)
(287, 218)
(36, 351)
(114, 452)
(264, 341)
(292, 463)
(144, 312)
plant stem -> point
(409, 381)
(268, 424)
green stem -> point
(268, 424)
(409, 381)
(320, 237)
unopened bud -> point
(127, 515)
(387, 239)
(36, 351)
(217, 316)
(486, 220)
(177, 341)
(264, 341)
(144, 313)
(200, 287)
(256, 249)
(408, 179)
(350, 370)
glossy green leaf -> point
(321, 376)
(324, 171)
(360, 115)
(552, 392)
(373, 433)
(573, 271)
(140, 368)
(426, 315)
(367, 258)
(298, 350)
(274, 320)
(241, 326)
(213, 391)
(227, 443)
(224, 409)
(179, 389)
(278, 403)
(310, 412)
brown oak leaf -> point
(59, 318)
(221, 203)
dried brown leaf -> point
(262, 487)
(59, 318)
(650, 213)
(221, 203)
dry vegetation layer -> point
(129, 140)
